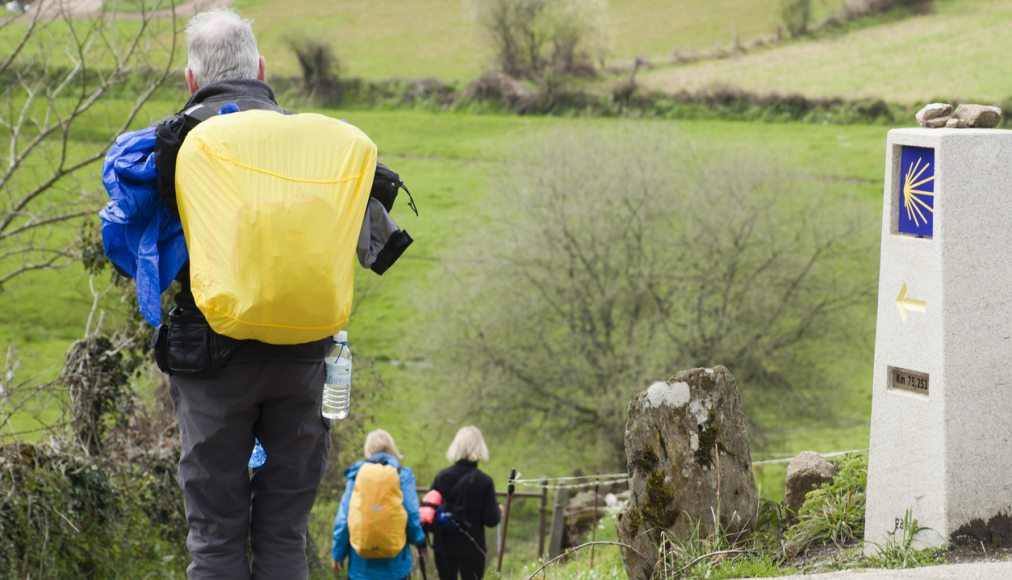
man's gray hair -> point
(221, 47)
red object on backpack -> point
(430, 501)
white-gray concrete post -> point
(941, 425)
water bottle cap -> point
(341, 336)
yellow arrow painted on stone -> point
(903, 303)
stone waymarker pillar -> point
(941, 425)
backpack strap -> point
(169, 137)
(463, 483)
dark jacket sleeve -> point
(380, 242)
(490, 508)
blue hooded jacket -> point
(140, 233)
(394, 568)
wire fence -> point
(550, 530)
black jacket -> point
(480, 506)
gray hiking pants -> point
(279, 402)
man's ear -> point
(191, 83)
(262, 70)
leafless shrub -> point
(28, 407)
(500, 87)
(624, 255)
(854, 9)
(796, 16)
(55, 84)
(97, 375)
(531, 37)
(319, 67)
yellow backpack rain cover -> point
(377, 520)
(272, 206)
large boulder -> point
(806, 472)
(688, 458)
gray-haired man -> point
(227, 391)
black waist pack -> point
(187, 346)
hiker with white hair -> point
(270, 391)
(272, 205)
(464, 498)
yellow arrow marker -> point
(903, 303)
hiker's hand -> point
(336, 566)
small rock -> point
(955, 123)
(979, 116)
(806, 472)
(932, 111)
(936, 123)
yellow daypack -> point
(272, 206)
(377, 520)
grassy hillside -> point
(439, 38)
(957, 52)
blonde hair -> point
(379, 441)
(468, 445)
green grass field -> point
(957, 52)
(439, 38)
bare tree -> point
(535, 37)
(796, 16)
(623, 256)
(58, 82)
(319, 65)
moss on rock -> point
(644, 462)
(657, 509)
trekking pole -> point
(506, 519)
(421, 564)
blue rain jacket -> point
(394, 568)
(140, 233)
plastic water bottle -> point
(337, 389)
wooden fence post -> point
(506, 519)
(558, 522)
(543, 515)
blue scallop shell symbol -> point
(917, 192)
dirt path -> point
(54, 9)
(976, 571)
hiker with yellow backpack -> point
(258, 214)
(378, 520)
